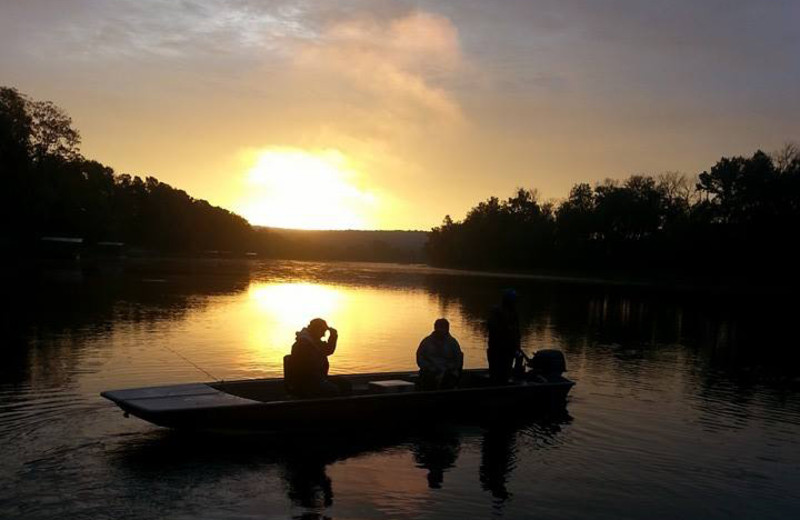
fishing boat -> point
(264, 405)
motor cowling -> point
(549, 363)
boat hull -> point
(231, 407)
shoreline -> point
(229, 264)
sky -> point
(377, 114)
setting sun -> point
(294, 188)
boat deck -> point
(263, 404)
(174, 398)
(270, 390)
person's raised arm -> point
(329, 347)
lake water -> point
(687, 404)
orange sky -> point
(391, 114)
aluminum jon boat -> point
(263, 405)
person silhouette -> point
(504, 337)
(306, 369)
(439, 358)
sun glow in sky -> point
(390, 114)
(294, 188)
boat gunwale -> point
(131, 407)
(515, 385)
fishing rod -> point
(195, 365)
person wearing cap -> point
(306, 370)
(439, 358)
(504, 337)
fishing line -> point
(198, 367)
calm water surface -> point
(687, 404)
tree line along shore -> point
(739, 218)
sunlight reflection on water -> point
(682, 407)
(247, 334)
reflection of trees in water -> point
(631, 325)
(46, 324)
(723, 348)
(624, 327)
(627, 325)
(636, 320)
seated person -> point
(439, 358)
(306, 369)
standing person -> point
(439, 358)
(504, 337)
(306, 369)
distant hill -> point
(358, 245)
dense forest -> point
(50, 189)
(741, 218)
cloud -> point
(155, 29)
(401, 63)
(398, 58)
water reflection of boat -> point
(303, 461)
(264, 405)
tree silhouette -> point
(739, 219)
(51, 189)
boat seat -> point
(391, 386)
(360, 388)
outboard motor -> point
(548, 364)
